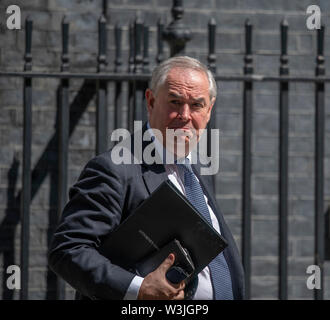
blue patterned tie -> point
(220, 275)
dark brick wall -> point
(230, 16)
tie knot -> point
(184, 165)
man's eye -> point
(197, 105)
(176, 102)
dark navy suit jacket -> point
(104, 195)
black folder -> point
(165, 215)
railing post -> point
(131, 48)
(131, 67)
(212, 31)
(160, 47)
(138, 42)
(118, 69)
(327, 235)
(26, 183)
(176, 34)
(212, 26)
(146, 49)
(319, 158)
(105, 8)
(283, 165)
(138, 61)
(246, 170)
(145, 69)
(63, 138)
(102, 112)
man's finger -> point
(179, 296)
(179, 286)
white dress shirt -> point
(204, 290)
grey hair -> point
(159, 74)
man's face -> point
(183, 104)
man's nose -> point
(185, 111)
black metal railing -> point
(283, 163)
(137, 76)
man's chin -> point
(182, 148)
(181, 141)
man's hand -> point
(155, 286)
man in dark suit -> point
(181, 97)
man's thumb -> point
(168, 262)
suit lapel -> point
(153, 176)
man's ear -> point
(211, 106)
(150, 99)
(212, 103)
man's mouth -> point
(180, 127)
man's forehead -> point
(189, 75)
(186, 79)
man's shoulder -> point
(107, 162)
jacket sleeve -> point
(93, 211)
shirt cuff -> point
(133, 289)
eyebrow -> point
(200, 100)
(178, 96)
(174, 95)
